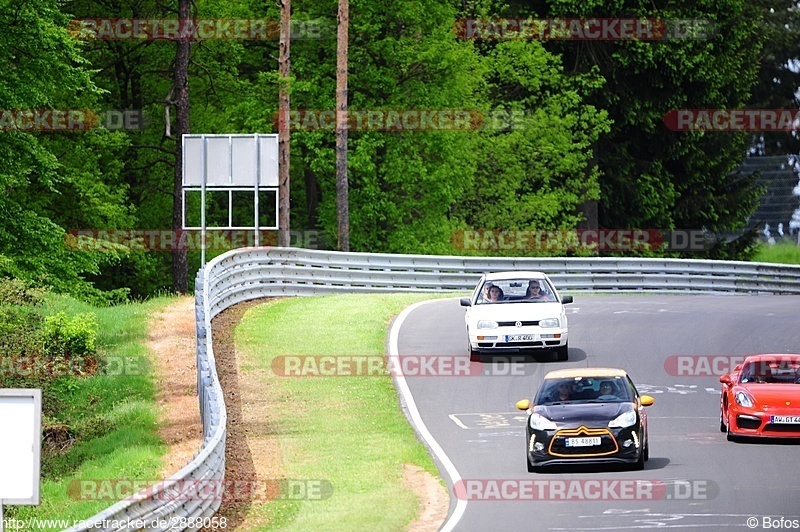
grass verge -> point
(349, 431)
(107, 422)
(785, 253)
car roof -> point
(772, 358)
(585, 372)
(500, 276)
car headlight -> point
(742, 399)
(548, 323)
(539, 422)
(487, 324)
(628, 419)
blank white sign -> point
(230, 160)
(20, 440)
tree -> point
(342, 195)
(284, 67)
(180, 282)
(43, 179)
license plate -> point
(520, 337)
(583, 442)
(789, 420)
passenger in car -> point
(495, 293)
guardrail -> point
(251, 273)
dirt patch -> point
(433, 497)
(172, 342)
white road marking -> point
(416, 418)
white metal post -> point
(204, 158)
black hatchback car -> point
(586, 416)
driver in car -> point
(535, 292)
(607, 391)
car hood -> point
(588, 412)
(774, 394)
(515, 311)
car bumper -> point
(495, 340)
(760, 425)
(620, 446)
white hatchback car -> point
(516, 311)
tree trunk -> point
(284, 69)
(342, 201)
(180, 282)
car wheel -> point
(728, 435)
(639, 465)
(531, 468)
(722, 426)
(473, 355)
(562, 353)
(646, 452)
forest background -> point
(572, 133)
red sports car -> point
(761, 398)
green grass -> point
(785, 253)
(349, 431)
(113, 415)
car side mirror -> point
(647, 400)
(726, 379)
(465, 302)
(566, 300)
(524, 404)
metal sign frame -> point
(229, 163)
(20, 449)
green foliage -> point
(20, 317)
(63, 336)
(785, 252)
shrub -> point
(62, 336)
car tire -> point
(473, 355)
(722, 426)
(646, 452)
(728, 435)
(531, 467)
(639, 465)
(562, 353)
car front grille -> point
(608, 444)
(747, 423)
(514, 323)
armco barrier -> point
(250, 273)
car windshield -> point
(783, 371)
(516, 291)
(584, 390)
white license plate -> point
(520, 337)
(788, 420)
(583, 442)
